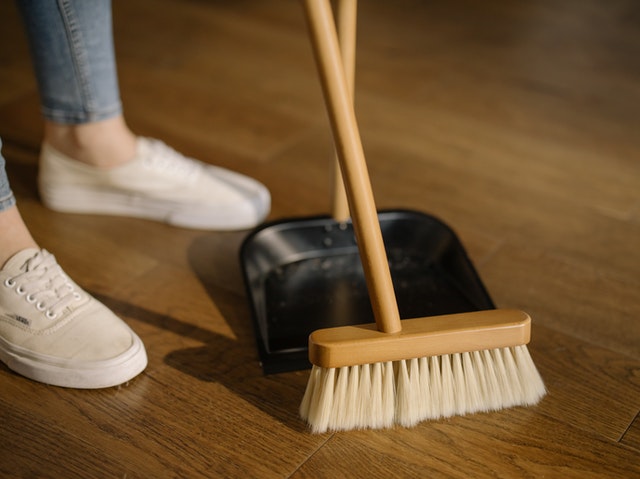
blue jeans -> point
(7, 200)
(71, 44)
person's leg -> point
(73, 53)
(50, 329)
(14, 235)
(104, 144)
(74, 60)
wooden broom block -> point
(420, 337)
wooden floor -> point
(517, 123)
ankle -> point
(104, 144)
(14, 235)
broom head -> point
(434, 367)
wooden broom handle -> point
(353, 165)
(346, 19)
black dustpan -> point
(306, 274)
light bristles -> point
(435, 385)
(533, 386)
(341, 398)
(379, 395)
(403, 395)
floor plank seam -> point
(635, 419)
(299, 466)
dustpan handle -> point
(346, 19)
(353, 165)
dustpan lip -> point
(293, 220)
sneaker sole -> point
(89, 201)
(93, 375)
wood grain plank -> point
(507, 447)
(514, 123)
(583, 299)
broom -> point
(393, 371)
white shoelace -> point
(163, 158)
(44, 284)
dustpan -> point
(305, 274)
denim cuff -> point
(7, 201)
(70, 117)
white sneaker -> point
(53, 332)
(158, 184)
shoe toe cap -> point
(230, 201)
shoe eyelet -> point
(50, 315)
(77, 296)
(30, 298)
(40, 306)
(9, 283)
(20, 290)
